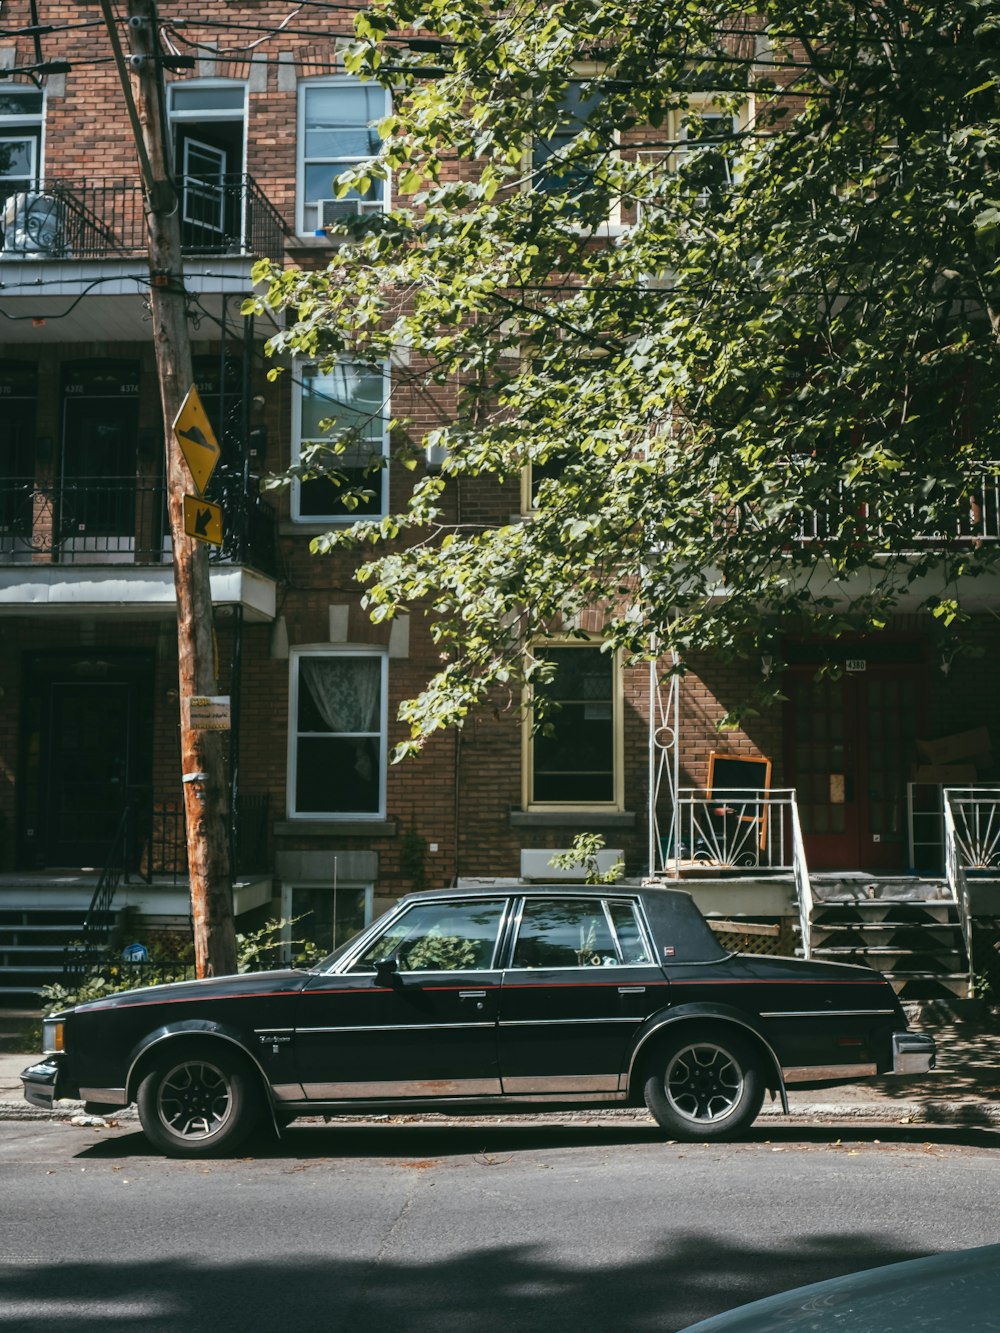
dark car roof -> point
(509, 889)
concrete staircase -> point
(39, 916)
(906, 927)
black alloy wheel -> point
(198, 1100)
(704, 1084)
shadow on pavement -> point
(389, 1142)
(497, 1289)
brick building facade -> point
(88, 651)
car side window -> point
(564, 932)
(631, 941)
(439, 937)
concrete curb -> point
(984, 1115)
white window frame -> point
(198, 116)
(309, 225)
(584, 70)
(32, 127)
(617, 803)
(288, 887)
(380, 478)
(331, 651)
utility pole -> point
(202, 760)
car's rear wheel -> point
(199, 1100)
(704, 1084)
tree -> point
(762, 395)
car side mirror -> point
(387, 971)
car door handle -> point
(631, 990)
(472, 995)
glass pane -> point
(347, 143)
(20, 104)
(574, 754)
(337, 775)
(206, 99)
(439, 937)
(340, 694)
(349, 395)
(17, 158)
(564, 933)
(326, 916)
(323, 497)
(343, 104)
(320, 183)
(630, 940)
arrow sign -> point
(203, 520)
(194, 434)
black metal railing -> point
(103, 218)
(157, 837)
(123, 520)
(78, 958)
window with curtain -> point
(348, 455)
(337, 737)
(337, 129)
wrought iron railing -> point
(103, 218)
(972, 519)
(122, 520)
(150, 844)
(157, 843)
(100, 918)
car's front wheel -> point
(704, 1085)
(198, 1100)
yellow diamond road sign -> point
(203, 520)
(196, 438)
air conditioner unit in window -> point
(333, 210)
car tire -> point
(199, 1100)
(704, 1083)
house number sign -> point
(856, 664)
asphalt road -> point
(478, 1228)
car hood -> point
(212, 988)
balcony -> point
(103, 543)
(103, 219)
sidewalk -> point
(963, 1090)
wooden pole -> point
(202, 759)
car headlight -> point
(52, 1035)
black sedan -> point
(485, 1000)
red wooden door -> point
(850, 751)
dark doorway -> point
(97, 510)
(87, 743)
(208, 125)
(851, 744)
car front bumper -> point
(40, 1083)
(913, 1052)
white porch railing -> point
(971, 842)
(752, 831)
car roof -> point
(509, 890)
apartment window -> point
(336, 732)
(337, 130)
(348, 455)
(708, 145)
(326, 915)
(21, 113)
(554, 176)
(574, 756)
